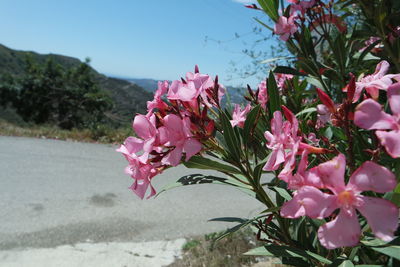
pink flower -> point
(157, 102)
(369, 42)
(369, 115)
(301, 6)
(326, 109)
(184, 91)
(138, 167)
(344, 230)
(263, 94)
(176, 132)
(145, 128)
(285, 27)
(282, 140)
(195, 85)
(282, 78)
(302, 177)
(239, 115)
(379, 80)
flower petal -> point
(142, 126)
(309, 201)
(331, 173)
(343, 231)
(394, 98)
(191, 147)
(372, 177)
(173, 158)
(391, 141)
(382, 215)
(369, 115)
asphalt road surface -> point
(56, 193)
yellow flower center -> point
(346, 198)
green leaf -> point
(258, 171)
(284, 251)
(270, 7)
(346, 263)
(230, 137)
(228, 219)
(193, 179)
(309, 67)
(237, 228)
(282, 192)
(315, 82)
(271, 210)
(274, 102)
(391, 251)
(339, 52)
(395, 195)
(361, 56)
(249, 123)
(265, 25)
(199, 162)
(306, 111)
(288, 70)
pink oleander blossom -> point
(369, 42)
(344, 230)
(145, 128)
(301, 6)
(302, 177)
(195, 85)
(239, 115)
(282, 140)
(369, 115)
(157, 102)
(379, 80)
(285, 27)
(176, 133)
(263, 94)
(138, 167)
(281, 79)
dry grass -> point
(204, 252)
(101, 134)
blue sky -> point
(160, 39)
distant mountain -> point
(148, 84)
(129, 98)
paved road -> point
(56, 192)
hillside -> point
(129, 98)
(148, 84)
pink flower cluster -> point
(172, 130)
(286, 26)
(344, 228)
(379, 80)
(286, 142)
(369, 115)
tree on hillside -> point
(70, 98)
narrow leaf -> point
(193, 179)
(199, 162)
(284, 251)
(249, 123)
(288, 70)
(282, 192)
(274, 102)
(346, 263)
(230, 137)
(228, 219)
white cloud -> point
(245, 1)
